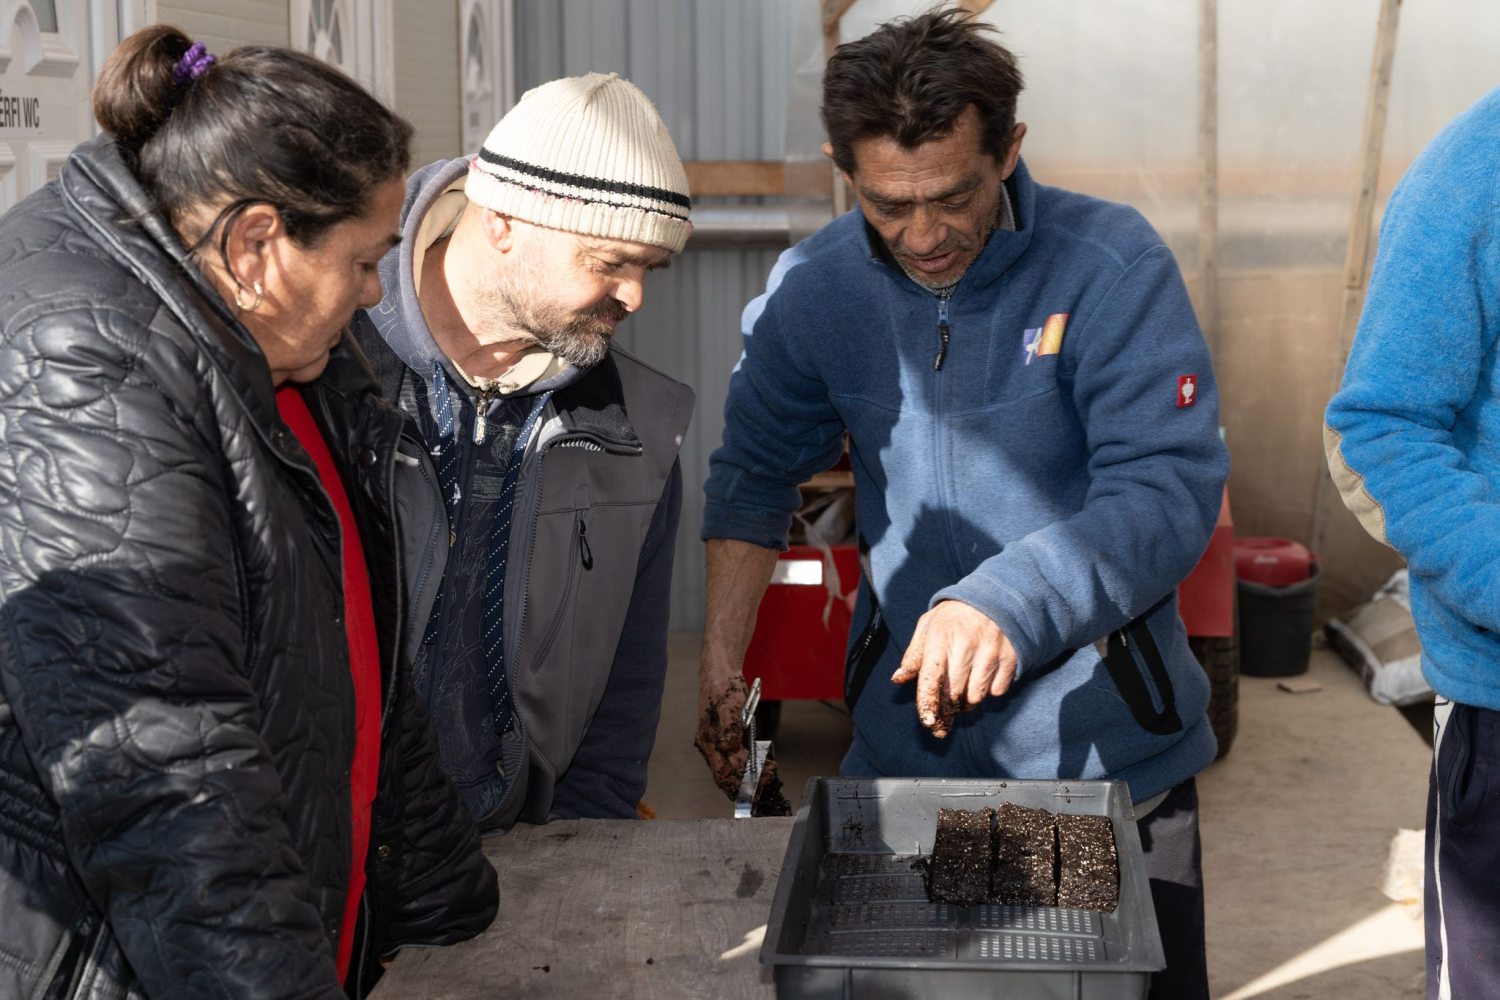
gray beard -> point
(575, 339)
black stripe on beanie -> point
(579, 180)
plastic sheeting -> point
(1111, 106)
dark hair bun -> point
(136, 90)
(262, 124)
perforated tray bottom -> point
(875, 905)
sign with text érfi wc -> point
(20, 114)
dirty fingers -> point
(721, 736)
(958, 657)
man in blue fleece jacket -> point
(1033, 426)
(1413, 440)
(542, 601)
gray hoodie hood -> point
(410, 338)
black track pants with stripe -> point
(1462, 887)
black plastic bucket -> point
(1276, 626)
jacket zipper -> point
(283, 436)
(481, 412)
(937, 362)
(389, 696)
(373, 845)
(861, 649)
(428, 470)
(1158, 704)
(361, 954)
(336, 565)
(511, 785)
(456, 536)
(867, 636)
(390, 687)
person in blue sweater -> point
(1412, 438)
(1033, 426)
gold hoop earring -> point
(260, 294)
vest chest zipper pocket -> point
(580, 560)
(585, 554)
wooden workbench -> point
(617, 908)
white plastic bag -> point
(1379, 639)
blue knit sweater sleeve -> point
(779, 429)
(1156, 472)
(1411, 432)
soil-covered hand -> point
(958, 657)
(773, 800)
(721, 735)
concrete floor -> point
(1297, 823)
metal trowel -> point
(756, 791)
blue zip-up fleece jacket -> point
(586, 574)
(1044, 474)
(1413, 435)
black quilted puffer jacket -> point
(176, 710)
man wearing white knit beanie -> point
(541, 572)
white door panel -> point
(49, 51)
(486, 51)
(353, 35)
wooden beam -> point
(1208, 170)
(728, 178)
(832, 479)
(1174, 181)
(833, 13)
(1361, 227)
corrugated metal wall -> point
(718, 71)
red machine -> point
(1272, 562)
(1206, 602)
(798, 653)
(794, 653)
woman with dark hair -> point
(214, 778)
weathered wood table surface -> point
(615, 908)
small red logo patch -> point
(1187, 390)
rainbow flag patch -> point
(1045, 339)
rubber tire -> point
(1220, 659)
(767, 719)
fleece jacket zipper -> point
(937, 362)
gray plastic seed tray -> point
(851, 918)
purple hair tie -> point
(193, 64)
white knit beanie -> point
(586, 154)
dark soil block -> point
(1088, 868)
(1025, 857)
(959, 870)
